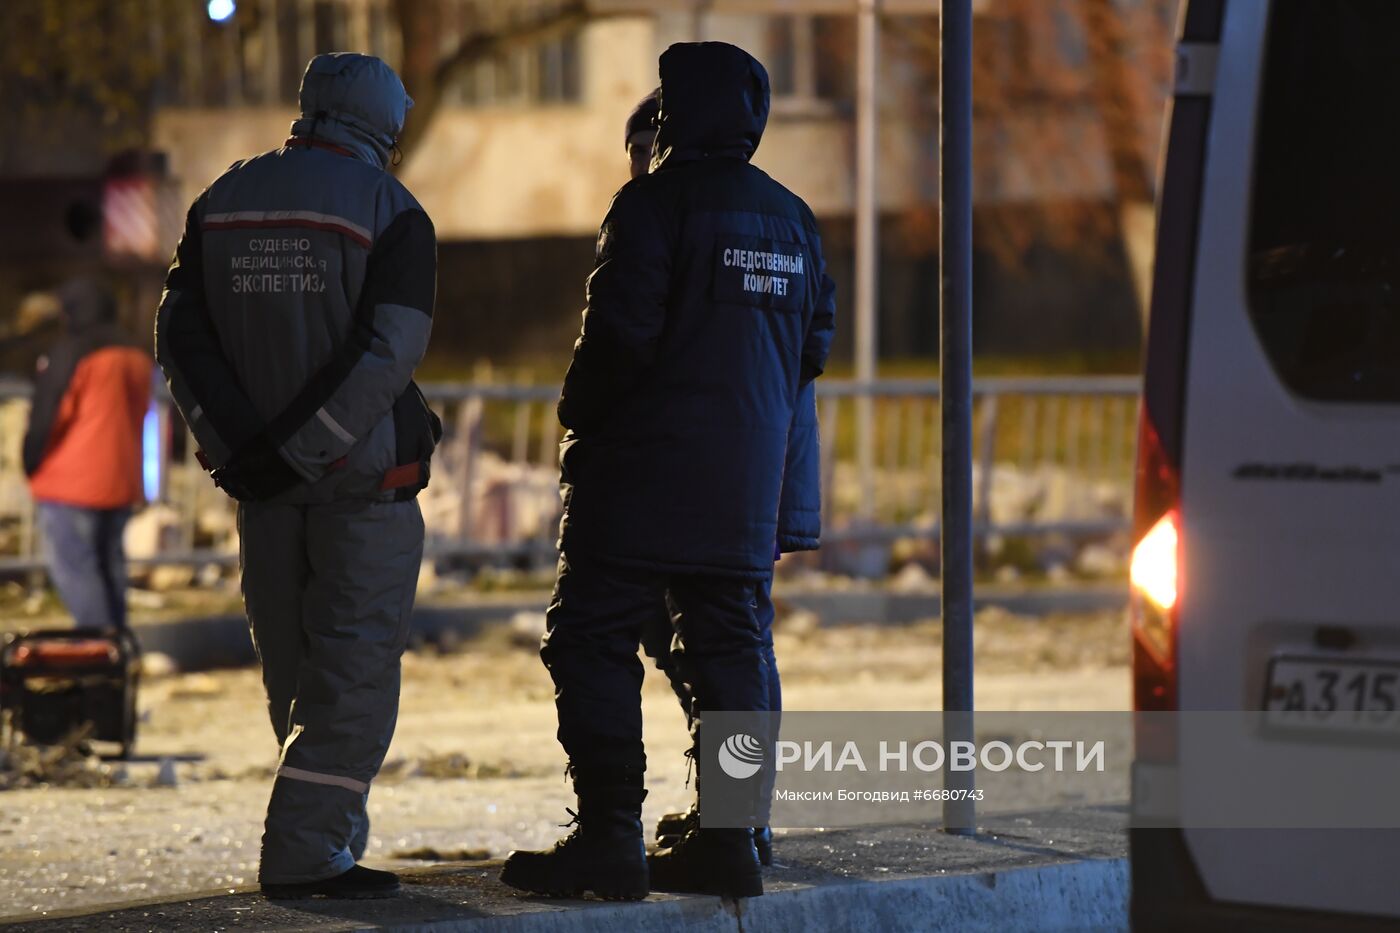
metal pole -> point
(697, 20)
(359, 26)
(955, 351)
(233, 62)
(272, 91)
(866, 286)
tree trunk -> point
(419, 25)
(1117, 94)
(426, 72)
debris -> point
(911, 578)
(527, 628)
(1007, 575)
(144, 599)
(70, 763)
(209, 576)
(196, 686)
(1100, 560)
(149, 530)
(799, 622)
(449, 641)
(455, 765)
(155, 664)
(166, 577)
(430, 854)
(428, 580)
(167, 777)
(218, 523)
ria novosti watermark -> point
(930, 756)
(1222, 769)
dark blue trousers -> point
(595, 623)
(659, 643)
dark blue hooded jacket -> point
(800, 512)
(709, 314)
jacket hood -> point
(354, 101)
(714, 103)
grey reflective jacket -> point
(301, 296)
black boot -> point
(358, 883)
(672, 826)
(604, 854)
(709, 861)
(763, 843)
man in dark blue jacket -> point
(799, 522)
(709, 313)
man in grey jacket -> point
(297, 307)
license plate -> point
(1333, 693)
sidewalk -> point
(1048, 870)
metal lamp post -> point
(955, 351)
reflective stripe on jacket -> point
(301, 296)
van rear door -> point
(1290, 472)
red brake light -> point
(1155, 572)
(1158, 487)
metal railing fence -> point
(1054, 457)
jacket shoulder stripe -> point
(273, 219)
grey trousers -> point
(329, 590)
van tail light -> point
(1154, 566)
(1155, 572)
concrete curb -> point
(1059, 869)
(1083, 895)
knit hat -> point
(643, 118)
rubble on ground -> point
(69, 763)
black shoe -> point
(359, 884)
(604, 854)
(709, 861)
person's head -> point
(714, 103)
(641, 132)
(353, 100)
(85, 303)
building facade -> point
(523, 150)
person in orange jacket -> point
(82, 453)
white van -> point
(1267, 567)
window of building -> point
(547, 72)
(804, 74)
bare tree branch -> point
(426, 74)
(1118, 95)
